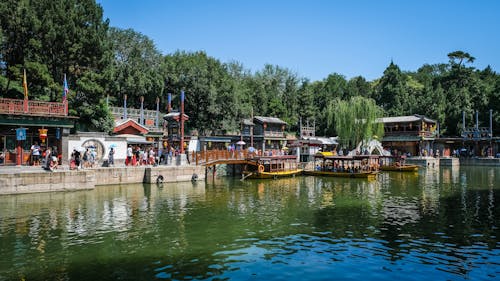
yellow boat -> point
(271, 167)
(272, 175)
(400, 168)
(358, 166)
(396, 164)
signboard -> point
(21, 134)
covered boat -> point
(269, 167)
(396, 163)
(357, 166)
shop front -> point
(19, 131)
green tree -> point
(136, 68)
(210, 101)
(53, 37)
(391, 92)
(358, 86)
(459, 57)
(306, 109)
(355, 120)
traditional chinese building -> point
(414, 134)
(24, 122)
(174, 134)
(475, 140)
(264, 133)
(140, 122)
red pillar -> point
(19, 156)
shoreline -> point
(29, 179)
(34, 179)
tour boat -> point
(271, 167)
(358, 166)
(397, 164)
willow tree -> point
(355, 120)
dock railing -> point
(208, 156)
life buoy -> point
(159, 179)
(261, 168)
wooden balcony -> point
(31, 107)
(276, 134)
(427, 134)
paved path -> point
(27, 169)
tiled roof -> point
(403, 119)
(273, 120)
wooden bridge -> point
(216, 157)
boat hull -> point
(366, 175)
(272, 175)
(405, 168)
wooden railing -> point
(213, 156)
(31, 107)
(411, 133)
(207, 156)
(278, 134)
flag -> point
(182, 96)
(65, 90)
(169, 101)
(25, 85)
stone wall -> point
(66, 180)
(430, 162)
(174, 174)
(14, 183)
(480, 161)
(449, 161)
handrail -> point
(31, 107)
(212, 156)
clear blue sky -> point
(317, 38)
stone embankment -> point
(17, 180)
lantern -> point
(42, 134)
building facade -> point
(25, 122)
(411, 135)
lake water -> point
(440, 224)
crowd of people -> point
(46, 157)
(84, 159)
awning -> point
(134, 139)
(138, 141)
(27, 121)
(215, 139)
(401, 138)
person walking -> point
(35, 154)
(129, 156)
(111, 157)
(48, 160)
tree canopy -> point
(355, 120)
(50, 38)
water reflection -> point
(440, 223)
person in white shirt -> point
(35, 154)
(129, 155)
